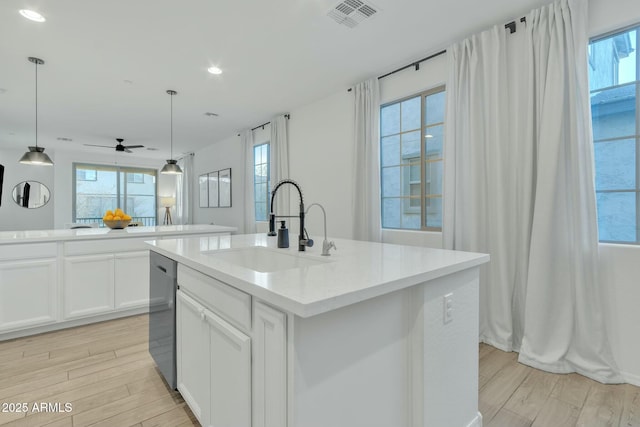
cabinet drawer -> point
(226, 301)
(104, 246)
(28, 251)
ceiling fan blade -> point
(133, 146)
(93, 145)
(126, 150)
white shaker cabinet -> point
(131, 280)
(54, 279)
(103, 277)
(88, 285)
(191, 355)
(229, 374)
(28, 287)
(214, 366)
(270, 372)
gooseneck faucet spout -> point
(326, 245)
(302, 242)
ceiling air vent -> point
(352, 12)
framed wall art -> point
(203, 190)
(213, 189)
(224, 181)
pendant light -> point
(171, 167)
(36, 155)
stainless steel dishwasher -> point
(162, 315)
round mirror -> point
(31, 194)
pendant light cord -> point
(36, 104)
(171, 127)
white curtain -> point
(184, 191)
(279, 148)
(246, 139)
(519, 184)
(366, 198)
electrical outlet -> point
(447, 306)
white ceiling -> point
(108, 64)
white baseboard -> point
(631, 378)
(55, 326)
(477, 421)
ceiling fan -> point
(118, 147)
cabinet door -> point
(269, 367)
(192, 336)
(88, 285)
(132, 279)
(28, 293)
(230, 374)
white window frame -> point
(268, 187)
(635, 27)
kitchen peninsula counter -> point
(33, 236)
(53, 279)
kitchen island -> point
(373, 335)
(52, 279)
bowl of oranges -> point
(116, 219)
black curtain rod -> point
(288, 116)
(512, 25)
(415, 64)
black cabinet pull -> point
(162, 268)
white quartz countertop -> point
(355, 272)
(33, 236)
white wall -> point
(619, 273)
(63, 188)
(222, 155)
(12, 216)
(321, 161)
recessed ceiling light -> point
(214, 70)
(152, 149)
(2, 90)
(209, 114)
(129, 82)
(63, 138)
(32, 15)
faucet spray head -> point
(272, 224)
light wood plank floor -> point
(515, 395)
(105, 373)
(103, 370)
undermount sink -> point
(264, 260)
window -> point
(135, 178)
(98, 188)
(411, 140)
(261, 181)
(86, 175)
(614, 85)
